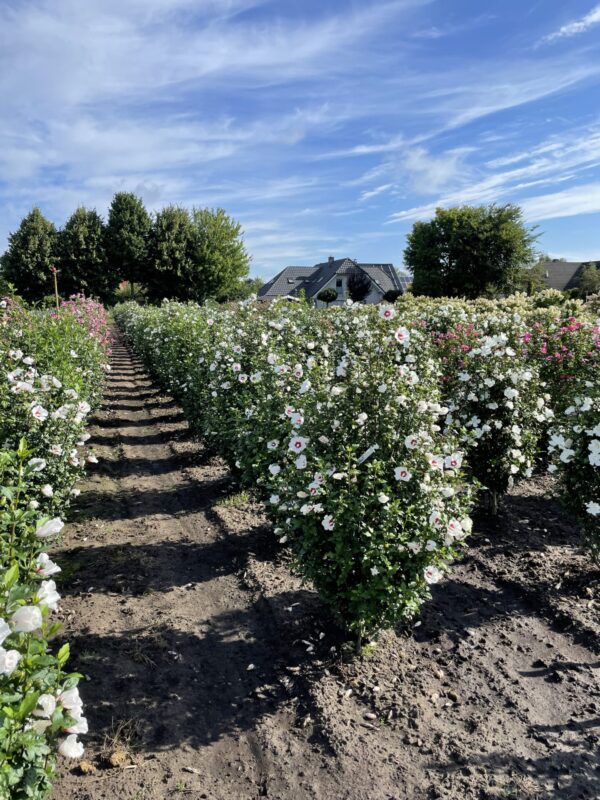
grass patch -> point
(234, 500)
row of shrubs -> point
(53, 365)
(366, 430)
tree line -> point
(175, 253)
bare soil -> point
(211, 672)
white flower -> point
(297, 444)
(297, 420)
(435, 519)
(454, 529)
(432, 574)
(33, 504)
(593, 508)
(274, 499)
(273, 444)
(71, 747)
(92, 459)
(37, 464)
(510, 393)
(274, 469)
(39, 412)
(45, 566)
(387, 312)
(50, 528)
(70, 699)
(5, 631)
(412, 442)
(47, 490)
(48, 596)
(305, 386)
(454, 461)
(374, 571)
(328, 523)
(383, 499)
(27, 619)
(9, 660)
(301, 462)
(402, 474)
(402, 335)
(46, 706)
(436, 462)
(56, 450)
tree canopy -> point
(469, 251)
(82, 262)
(31, 253)
(170, 250)
(126, 239)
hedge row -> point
(52, 372)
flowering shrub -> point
(334, 420)
(52, 368)
(575, 448)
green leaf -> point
(11, 576)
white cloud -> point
(576, 27)
(583, 199)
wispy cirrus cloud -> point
(575, 27)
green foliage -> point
(51, 377)
(327, 295)
(392, 295)
(31, 253)
(590, 280)
(469, 251)
(82, 262)
(245, 289)
(170, 252)
(219, 256)
(359, 285)
(126, 237)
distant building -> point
(564, 275)
(334, 274)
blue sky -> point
(327, 127)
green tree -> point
(245, 289)
(126, 238)
(359, 285)
(469, 251)
(170, 251)
(30, 255)
(219, 256)
(590, 280)
(82, 262)
(327, 295)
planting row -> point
(52, 369)
(366, 430)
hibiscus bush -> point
(575, 448)
(52, 368)
(334, 420)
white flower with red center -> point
(314, 487)
(328, 523)
(402, 335)
(297, 420)
(435, 519)
(402, 474)
(297, 444)
(39, 412)
(387, 312)
(236, 367)
(298, 371)
(56, 449)
(454, 461)
(273, 444)
(432, 574)
(412, 441)
(435, 462)
(454, 529)
(45, 566)
(289, 411)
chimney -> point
(331, 259)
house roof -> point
(312, 279)
(563, 275)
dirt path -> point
(211, 673)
